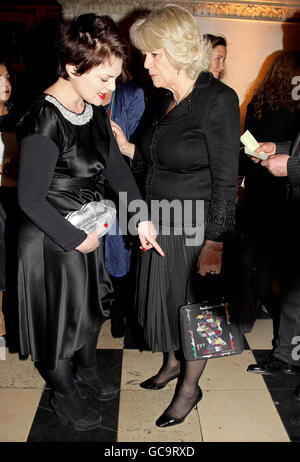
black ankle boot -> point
(118, 325)
(63, 403)
(88, 377)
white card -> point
(262, 155)
(251, 145)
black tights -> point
(61, 377)
(187, 389)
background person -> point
(271, 114)
(9, 157)
(125, 106)
(218, 56)
(282, 359)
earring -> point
(178, 72)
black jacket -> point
(192, 153)
(294, 161)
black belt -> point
(79, 182)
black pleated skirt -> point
(161, 289)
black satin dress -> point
(64, 160)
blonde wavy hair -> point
(176, 31)
(275, 90)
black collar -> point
(204, 79)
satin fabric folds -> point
(62, 295)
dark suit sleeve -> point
(223, 143)
(283, 147)
(293, 167)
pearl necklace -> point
(185, 95)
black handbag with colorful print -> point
(208, 329)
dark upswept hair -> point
(88, 41)
(275, 90)
(215, 40)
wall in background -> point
(251, 46)
(254, 31)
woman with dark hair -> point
(67, 149)
(9, 156)
(5, 91)
(218, 56)
(272, 114)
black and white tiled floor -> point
(236, 406)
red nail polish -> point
(105, 225)
(144, 249)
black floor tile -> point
(289, 410)
(47, 428)
(277, 381)
(110, 364)
(282, 381)
(281, 388)
(246, 344)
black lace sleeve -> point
(221, 214)
(138, 164)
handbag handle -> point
(209, 279)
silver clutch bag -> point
(93, 215)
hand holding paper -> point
(251, 145)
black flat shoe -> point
(297, 392)
(89, 421)
(150, 384)
(104, 392)
(166, 421)
(271, 365)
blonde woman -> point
(189, 149)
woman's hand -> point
(148, 235)
(125, 147)
(91, 242)
(210, 258)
